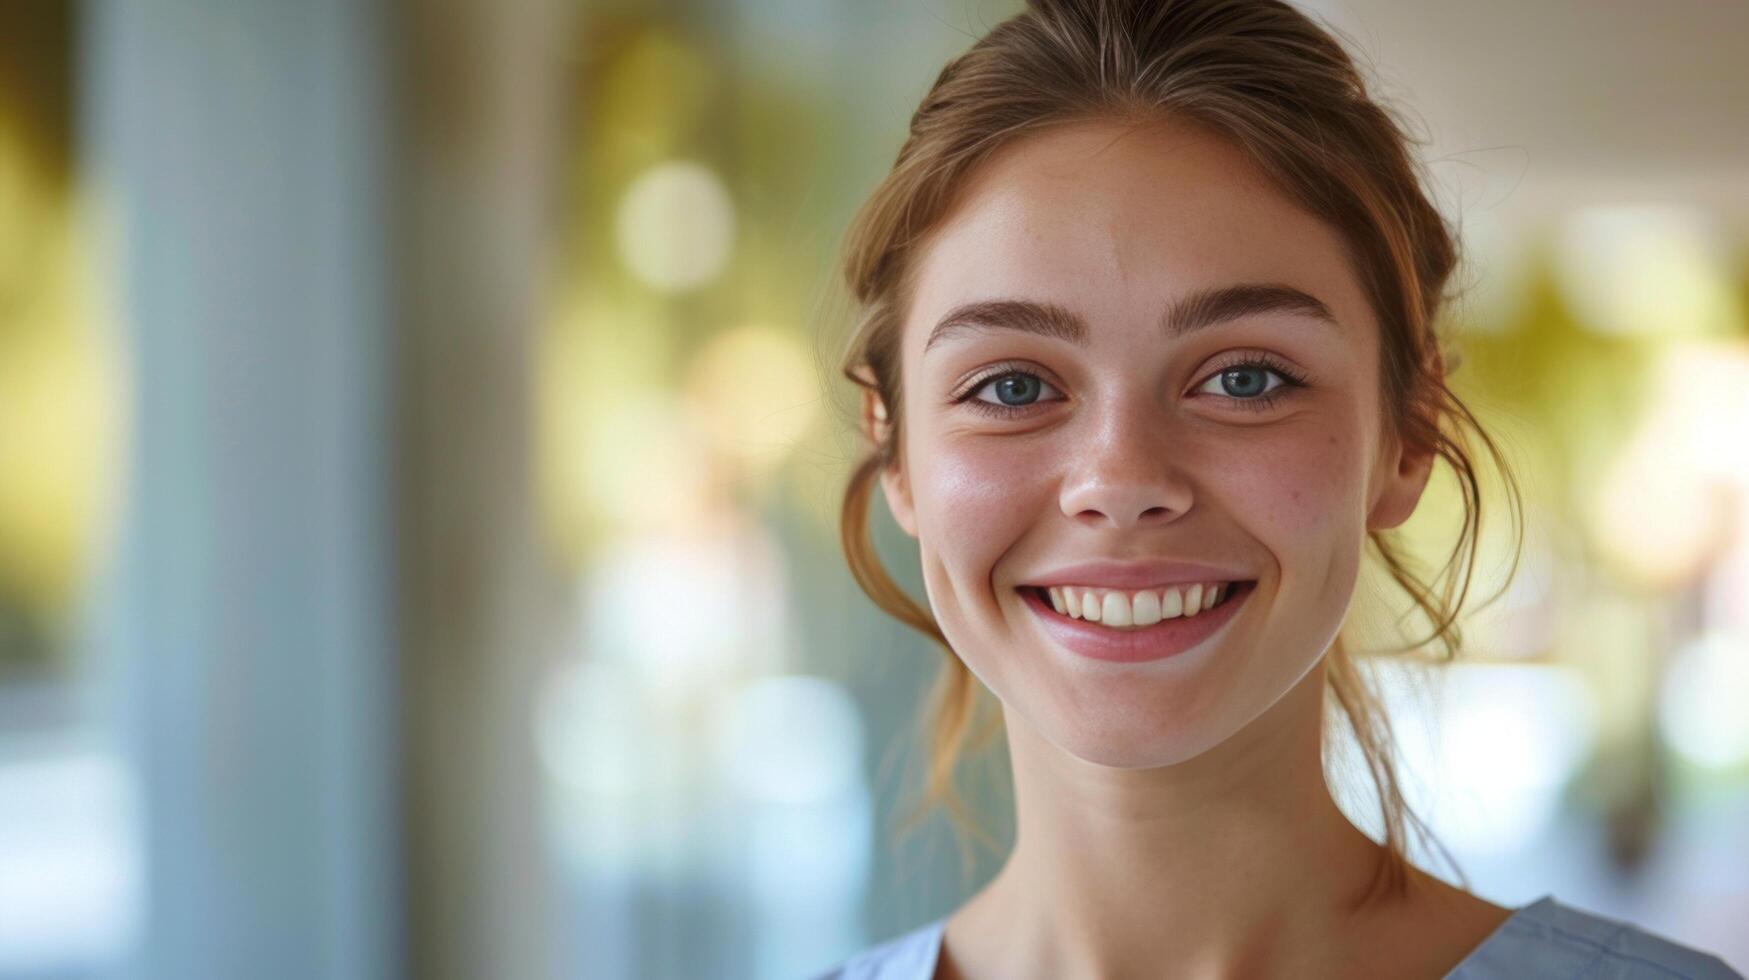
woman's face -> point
(1241, 433)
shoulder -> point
(1549, 939)
(907, 957)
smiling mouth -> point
(1136, 609)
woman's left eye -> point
(1248, 383)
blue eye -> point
(1015, 391)
(1245, 383)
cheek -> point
(1301, 493)
(975, 498)
(1298, 484)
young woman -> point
(1148, 356)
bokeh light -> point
(790, 739)
(586, 730)
(1656, 270)
(1660, 513)
(755, 392)
(675, 226)
(1701, 706)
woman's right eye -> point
(1016, 388)
(1014, 391)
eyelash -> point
(1290, 378)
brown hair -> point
(1281, 87)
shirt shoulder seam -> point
(1606, 951)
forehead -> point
(1115, 222)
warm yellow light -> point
(655, 88)
(755, 394)
(675, 226)
(1659, 514)
(646, 465)
(1648, 269)
(607, 423)
(59, 382)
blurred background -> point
(421, 447)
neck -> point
(1231, 859)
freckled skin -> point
(1131, 452)
(1160, 806)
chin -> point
(1137, 753)
(1135, 736)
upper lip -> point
(1135, 574)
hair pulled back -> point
(1281, 87)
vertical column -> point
(479, 82)
(238, 151)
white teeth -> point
(1171, 604)
(1116, 610)
(1146, 608)
(1122, 609)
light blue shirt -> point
(1544, 940)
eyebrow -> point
(1197, 311)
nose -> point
(1128, 475)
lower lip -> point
(1167, 638)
